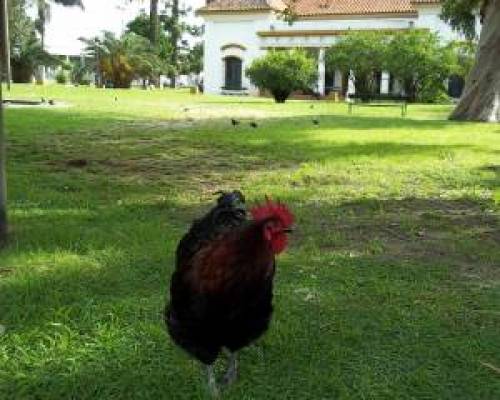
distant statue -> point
(351, 85)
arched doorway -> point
(234, 68)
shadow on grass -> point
(219, 156)
(125, 251)
(461, 233)
(97, 314)
(493, 182)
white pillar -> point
(396, 87)
(385, 82)
(337, 81)
(321, 71)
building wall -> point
(223, 30)
(428, 17)
(242, 29)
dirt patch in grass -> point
(5, 272)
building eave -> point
(411, 14)
(330, 32)
(202, 11)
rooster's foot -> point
(232, 370)
(212, 382)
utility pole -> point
(3, 175)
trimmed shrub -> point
(61, 77)
(281, 72)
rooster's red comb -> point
(271, 210)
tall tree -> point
(154, 27)
(175, 37)
(481, 98)
(43, 10)
(154, 22)
(166, 23)
(44, 14)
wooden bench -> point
(379, 100)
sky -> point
(70, 23)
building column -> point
(385, 82)
(337, 80)
(397, 87)
(321, 71)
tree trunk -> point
(153, 22)
(175, 37)
(481, 98)
(280, 96)
(154, 33)
(3, 177)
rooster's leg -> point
(212, 382)
(232, 369)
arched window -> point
(233, 73)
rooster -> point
(222, 288)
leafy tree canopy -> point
(416, 57)
(461, 14)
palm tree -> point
(120, 60)
(43, 10)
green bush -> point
(62, 77)
(282, 72)
(67, 66)
(433, 92)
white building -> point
(238, 31)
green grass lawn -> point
(390, 288)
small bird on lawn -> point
(316, 121)
(42, 100)
(234, 122)
(186, 109)
(52, 102)
(116, 98)
(254, 124)
(312, 106)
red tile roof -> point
(241, 5)
(318, 7)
